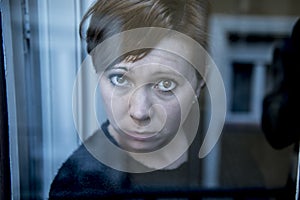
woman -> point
(150, 88)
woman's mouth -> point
(140, 136)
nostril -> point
(141, 120)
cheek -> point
(178, 111)
(105, 95)
(186, 97)
(173, 112)
(115, 104)
(186, 104)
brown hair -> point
(109, 17)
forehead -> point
(159, 61)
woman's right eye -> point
(119, 80)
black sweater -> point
(82, 176)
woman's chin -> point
(142, 146)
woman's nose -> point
(139, 106)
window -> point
(41, 56)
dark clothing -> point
(82, 176)
(281, 107)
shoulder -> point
(82, 175)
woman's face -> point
(146, 101)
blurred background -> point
(42, 52)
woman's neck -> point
(161, 159)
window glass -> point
(150, 113)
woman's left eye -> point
(165, 85)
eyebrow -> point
(117, 67)
(171, 75)
(161, 72)
(167, 71)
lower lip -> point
(141, 136)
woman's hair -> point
(109, 17)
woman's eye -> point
(119, 80)
(165, 85)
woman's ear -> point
(200, 85)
